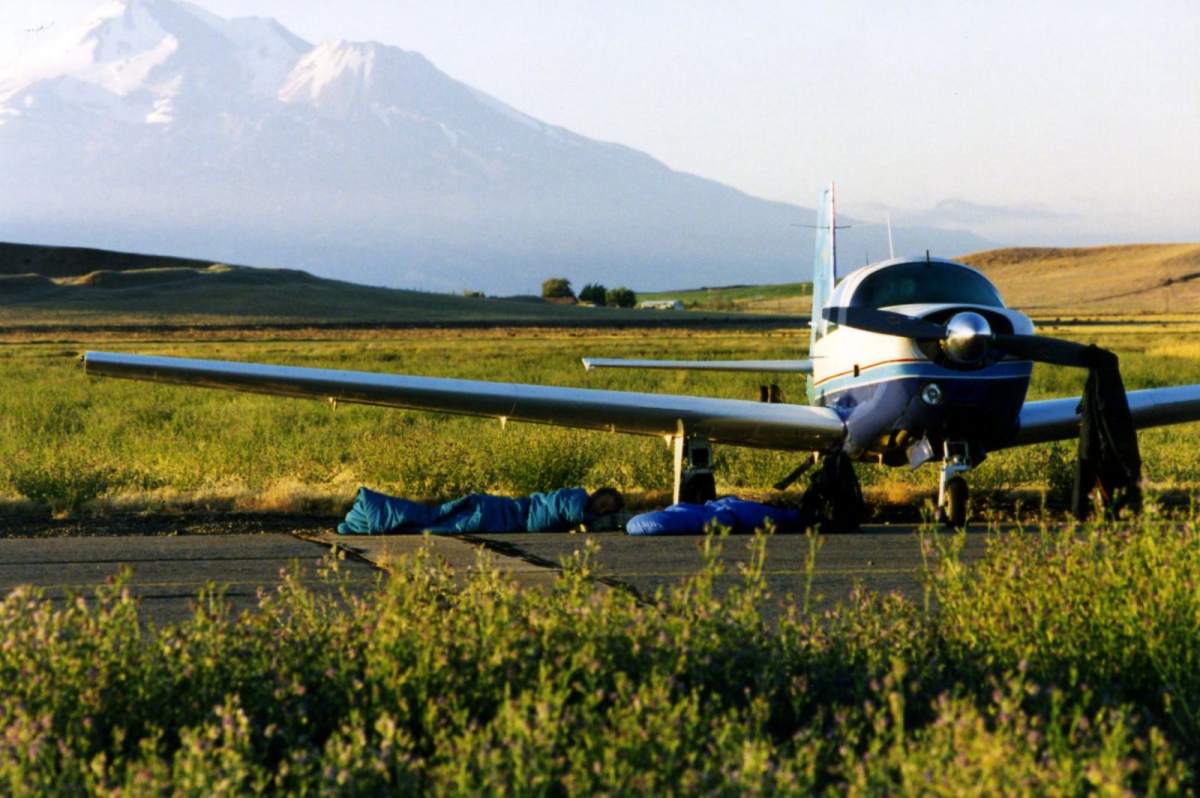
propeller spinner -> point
(968, 335)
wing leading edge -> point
(732, 421)
(782, 366)
(1058, 419)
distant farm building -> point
(661, 304)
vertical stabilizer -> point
(824, 261)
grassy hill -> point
(65, 287)
(59, 287)
(1133, 278)
(1087, 281)
(54, 262)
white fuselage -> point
(875, 381)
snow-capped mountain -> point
(141, 60)
(157, 126)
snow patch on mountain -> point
(335, 76)
(115, 51)
(342, 79)
(149, 53)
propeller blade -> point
(1038, 348)
(1045, 350)
(885, 322)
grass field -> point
(790, 298)
(67, 442)
(1065, 663)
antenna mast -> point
(833, 225)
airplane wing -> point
(733, 421)
(1058, 419)
(792, 366)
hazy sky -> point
(1079, 120)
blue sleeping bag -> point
(742, 517)
(375, 513)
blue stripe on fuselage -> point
(926, 369)
(978, 406)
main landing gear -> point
(952, 488)
(692, 465)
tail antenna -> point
(833, 227)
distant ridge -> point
(1127, 278)
(78, 261)
(44, 286)
(53, 287)
(1042, 281)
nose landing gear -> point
(952, 488)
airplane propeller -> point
(966, 337)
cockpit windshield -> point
(922, 283)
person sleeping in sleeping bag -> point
(376, 513)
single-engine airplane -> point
(911, 360)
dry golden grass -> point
(1127, 279)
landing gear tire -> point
(698, 488)
(954, 514)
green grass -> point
(1066, 664)
(70, 443)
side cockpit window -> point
(836, 300)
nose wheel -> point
(952, 488)
(954, 512)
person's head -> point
(604, 501)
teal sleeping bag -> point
(377, 513)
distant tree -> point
(594, 293)
(557, 287)
(620, 297)
(469, 294)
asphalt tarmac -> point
(880, 558)
(169, 569)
